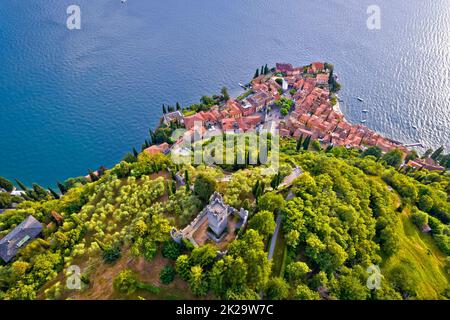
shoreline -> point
(336, 108)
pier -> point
(417, 144)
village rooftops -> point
(284, 67)
(161, 148)
(191, 120)
(19, 237)
(313, 114)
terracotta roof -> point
(317, 66)
(190, 120)
(157, 148)
(284, 67)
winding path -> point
(273, 241)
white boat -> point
(365, 111)
(360, 99)
(363, 121)
(414, 127)
(123, 1)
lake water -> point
(72, 100)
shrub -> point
(403, 280)
(148, 287)
(204, 187)
(111, 254)
(125, 282)
(167, 274)
(277, 289)
(419, 218)
(171, 250)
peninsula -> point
(347, 214)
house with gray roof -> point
(19, 237)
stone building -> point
(216, 222)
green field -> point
(419, 253)
(279, 256)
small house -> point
(19, 237)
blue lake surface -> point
(72, 100)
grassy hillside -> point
(420, 255)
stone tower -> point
(217, 213)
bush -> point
(302, 292)
(419, 218)
(167, 274)
(171, 250)
(125, 282)
(7, 200)
(148, 287)
(204, 187)
(111, 254)
(277, 289)
(403, 280)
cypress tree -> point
(258, 192)
(255, 188)
(256, 74)
(276, 180)
(262, 70)
(53, 193)
(21, 185)
(39, 192)
(437, 153)
(164, 109)
(6, 184)
(61, 187)
(174, 187)
(306, 143)
(135, 153)
(266, 69)
(299, 143)
(168, 188)
(26, 197)
(151, 134)
(186, 180)
(178, 106)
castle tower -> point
(217, 213)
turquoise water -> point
(72, 100)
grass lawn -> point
(279, 256)
(419, 253)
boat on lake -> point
(360, 99)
